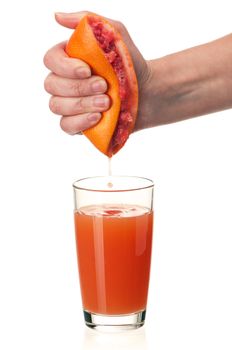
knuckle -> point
(47, 59)
(63, 62)
(67, 127)
(80, 104)
(48, 84)
(63, 124)
(120, 25)
(54, 105)
(77, 88)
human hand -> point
(77, 95)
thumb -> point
(69, 20)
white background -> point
(190, 304)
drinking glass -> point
(113, 224)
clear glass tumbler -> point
(113, 224)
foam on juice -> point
(113, 210)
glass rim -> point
(84, 188)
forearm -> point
(187, 84)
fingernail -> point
(101, 101)
(83, 72)
(99, 86)
(94, 117)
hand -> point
(77, 95)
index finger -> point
(70, 20)
(61, 64)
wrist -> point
(167, 92)
(153, 91)
(146, 93)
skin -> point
(176, 87)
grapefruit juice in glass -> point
(113, 224)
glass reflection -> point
(130, 340)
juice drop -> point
(110, 185)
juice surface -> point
(114, 252)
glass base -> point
(114, 322)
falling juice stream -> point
(109, 167)
(109, 184)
